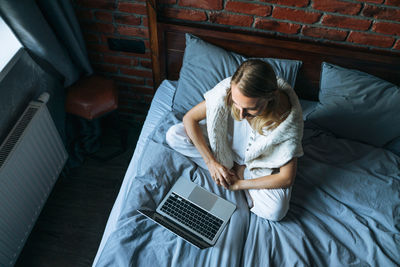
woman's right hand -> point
(220, 174)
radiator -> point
(31, 159)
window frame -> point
(12, 58)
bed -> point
(345, 205)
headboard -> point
(168, 45)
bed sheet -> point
(161, 103)
(345, 209)
(137, 241)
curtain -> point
(50, 32)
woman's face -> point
(249, 107)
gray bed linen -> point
(345, 211)
(140, 242)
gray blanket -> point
(345, 211)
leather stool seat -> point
(92, 97)
(88, 100)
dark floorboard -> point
(70, 226)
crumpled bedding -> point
(345, 211)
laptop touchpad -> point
(202, 198)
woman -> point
(257, 150)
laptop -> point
(193, 213)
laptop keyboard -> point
(192, 216)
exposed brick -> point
(97, 4)
(167, 2)
(204, 4)
(105, 68)
(386, 28)
(124, 106)
(133, 31)
(143, 89)
(135, 95)
(129, 80)
(381, 12)
(94, 57)
(130, 17)
(127, 105)
(277, 26)
(126, 95)
(330, 34)
(134, 92)
(147, 44)
(393, 3)
(104, 38)
(230, 19)
(297, 3)
(123, 90)
(84, 14)
(117, 60)
(127, 19)
(147, 99)
(248, 8)
(346, 22)
(145, 22)
(150, 82)
(397, 45)
(137, 72)
(104, 16)
(90, 37)
(98, 48)
(371, 1)
(134, 8)
(147, 55)
(98, 27)
(185, 14)
(370, 39)
(125, 99)
(134, 61)
(146, 63)
(296, 15)
(337, 6)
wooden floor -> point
(71, 224)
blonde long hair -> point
(257, 79)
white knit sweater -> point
(268, 151)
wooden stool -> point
(89, 99)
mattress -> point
(344, 209)
(160, 105)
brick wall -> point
(373, 24)
(103, 19)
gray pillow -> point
(358, 106)
(307, 107)
(204, 65)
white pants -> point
(271, 204)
